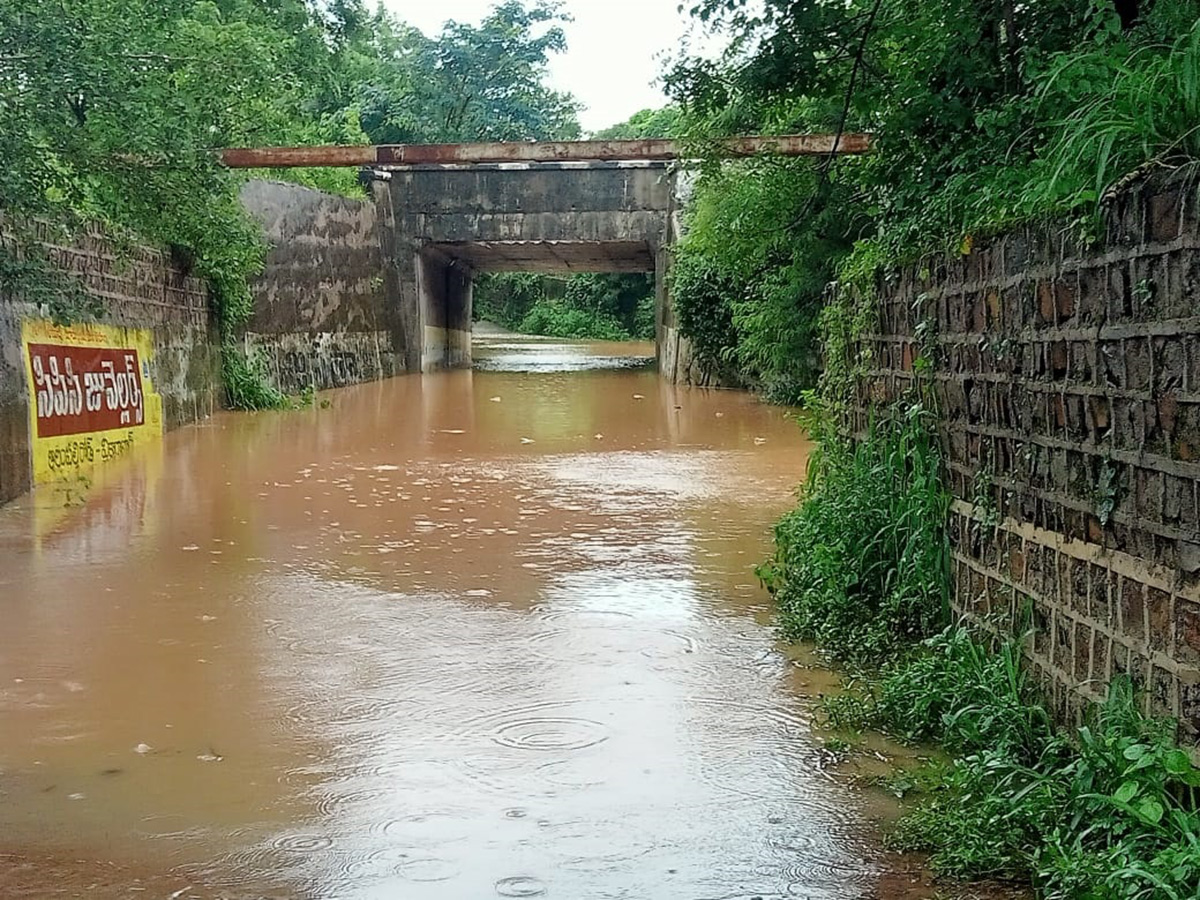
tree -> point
(984, 112)
(470, 83)
(666, 122)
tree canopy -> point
(110, 109)
(985, 113)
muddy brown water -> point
(479, 634)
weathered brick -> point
(1065, 291)
(1185, 444)
(1167, 410)
(1191, 346)
(1169, 366)
(1164, 701)
(1040, 626)
(1100, 652)
(1083, 652)
(1016, 254)
(1164, 219)
(1158, 614)
(1129, 428)
(1060, 360)
(1012, 308)
(1076, 586)
(1187, 631)
(1189, 708)
(1138, 368)
(1188, 556)
(1064, 652)
(1093, 295)
(1149, 486)
(1119, 293)
(1099, 417)
(1111, 363)
(1058, 406)
(1133, 608)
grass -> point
(1106, 811)
(247, 386)
(1109, 810)
(861, 566)
(556, 318)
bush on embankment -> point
(1106, 811)
(984, 115)
(586, 307)
(861, 566)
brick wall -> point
(140, 288)
(1068, 385)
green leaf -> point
(1135, 751)
(1177, 762)
(1150, 810)
(1126, 792)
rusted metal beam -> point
(539, 152)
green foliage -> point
(110, 111)
(861, 567)
(506, 298)
(957, 693)
(667, 122)
(744, 238)
(1108, 811)
(485, 82)
(559, 319)
(247, 382)
(601, 307)
(702, 295)
(984, 115)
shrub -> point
(1108, 811)
(557, 319)
(247, 385)
(861, 566)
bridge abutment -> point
(409, 256)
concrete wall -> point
(1069, 384)
(360, 290)
(140, 288)
(676, 360)
(325, 312)
(447, 223)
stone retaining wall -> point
(1068, 383)
(324, 307)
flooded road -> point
(479, 634)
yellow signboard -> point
(91, 399)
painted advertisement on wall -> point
(91, 400)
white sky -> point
(613, 49)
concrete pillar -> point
(444, 299)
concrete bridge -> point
(440, 214)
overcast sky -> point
(613, 49)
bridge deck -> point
(542, 151)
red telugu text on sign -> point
(83, 389)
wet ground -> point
(480, 634)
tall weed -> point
(1106, 812)
(861, 566)
(247, 385)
